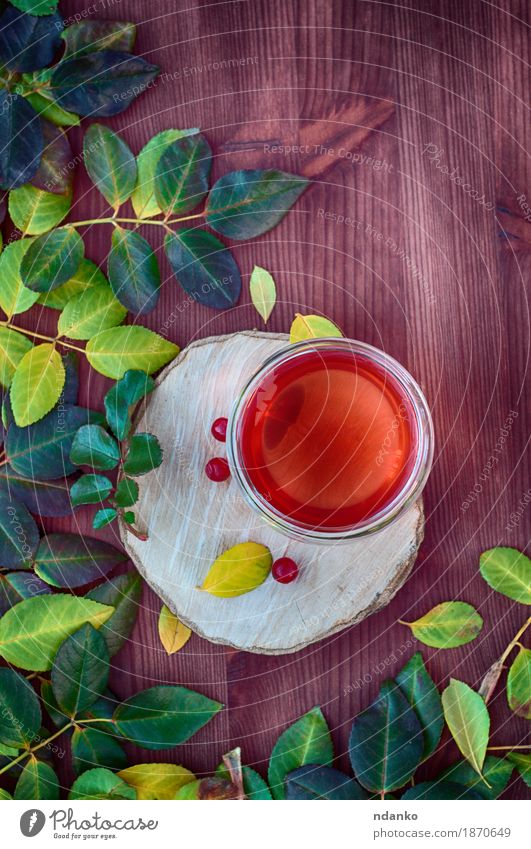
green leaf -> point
(386, 741)
(143, 455)
(104, 517)
(88, 36)
(34, 211)
(88, 275)
(13, 347)
(133, 271)
(189, 792)
(119, 400)
(115, 351)
(93, 446)
(92, 748)
(307, 741)
(19, 535)
(204, 267)
(120, 78)
(90, 312)
(50, 111)
(100, 784)
(423, 696)
(37, 384)
(156, 780)
(52, 259)
(143, 199)
(123, 593)
(523, 765)
(37, 781)
(21, 140)
(321, 782)
(80, 670)
(254, 786)
(181, 174)
(160, 717)
(468, 719)
(42, 451)
(440, 790)
(173, 634)
(36, 7)
(447, 625)
(32, 631)
(519, 684)
(5, 796)
(312, 327)
(238, 570)
(508, 571)
(14, 297)
(90, 489)
(126, 493)
(245, 204)
(69, 560)
(20, 711)
(496, 775)
(263, 292)
(110, 164)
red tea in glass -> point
(329, 437)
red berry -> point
(219, 429)
(285, 570)
(217, 469)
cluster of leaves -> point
(67, 641)
(38, 99)
(455, 623)
(133, 455)
(39, 474)
(48, 266)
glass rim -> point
(412, 487)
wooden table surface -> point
(390, 104)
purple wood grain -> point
(388, 105)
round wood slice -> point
(190, 520)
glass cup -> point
(330, 439)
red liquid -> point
(328, 439)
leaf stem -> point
(138, 221)
(507, 748)
(36, 748)
(54, 340)
(490, 680)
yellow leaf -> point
(263, 291)
(173, 634)
(118, 349)
(37, 384)
(13, 346)
(14, 297)
(312, 327)
(239, 570)
(156, 781)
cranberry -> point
(285, 570)
(219, 429)
(217, 469)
